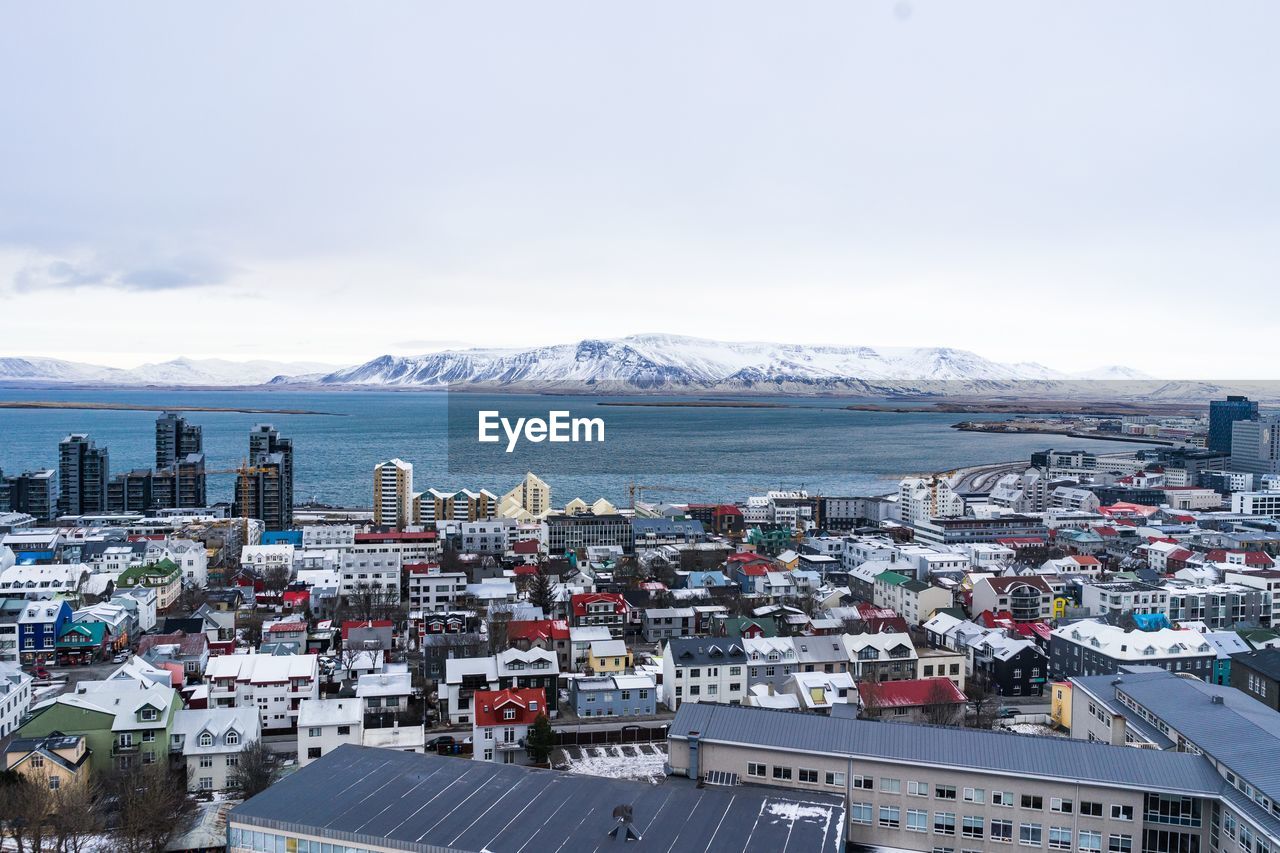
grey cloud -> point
(168, 274)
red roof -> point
(419, 568)
(288, 627)
(745, 557)
(525, 546)
(366, 623)
(1086, 560)
(415, 536)
(1251, 558)
(582, 599)
(297, 596)
(1016, 542)
(527, 703)
(535, 630)
(526, 569)
(755, 570)
(908, 694)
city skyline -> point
(997, 177)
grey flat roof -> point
(405, 800)
(999, 752)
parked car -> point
(442, 740)
(40, 672)
(121, 658)
(1007, 712)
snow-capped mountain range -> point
(180, 371)
(636, 364)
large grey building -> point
(83, 472)
(1090, 647)
(1223, 415)
(933, 788)
(32, 492)
(1255, 446)
(175, 439)
(579, 532)
(268, 488)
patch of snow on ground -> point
(795, 811)
(644, 761)
(1033, 729)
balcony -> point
(126, 749)
(508, 745)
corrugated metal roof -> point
(407, 801)
(998, 752)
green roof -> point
(95, 631)
(734, 625)
(891, 577)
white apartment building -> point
(1100, 599)
(1256, 503)
(329, 536)
(920, 499)
(265, 558)
(489, 536)
(190, 557)
(210, 740)
(15, 695)
(370, 572)
(326, 724)
(703, 669)
(274, 684)
(435, 591)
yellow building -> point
(393, 494)
(1060, 704)
(56, 760)
(609, 657)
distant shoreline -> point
(138, 407)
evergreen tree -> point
(540, 740)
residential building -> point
(434, 590)
(123, 721)
(267, 487)
(1090, 647)
(770, 660)
(955, 531)
(926, 700)
(663, 623)
(393, 494)
(56, 761)
(164, 576)
(879, 657)
(915, 600)
(83, 472)
(609, 657)
(1009, 666)
(703, 669)
(15, 697)
(210, 741)
(1116, 597)
(326, 724)
(34, 493)
(600, 609)
(576, 533)
(935, 663)
(502, 722)
(613, 696)
(1257, 674)
(274, 684)
(40, 624)
(1025, 599)
(1220, 605)
(511, 668)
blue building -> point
(39, 627)
(613, 696)
(282, 537)
(1224, 413)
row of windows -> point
(1034, 802)
(975, 827)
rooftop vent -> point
(1215, 700)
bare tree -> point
(76, 819)
(940, 705)
(25, 806)
(869, 695)
(498, 625)
(254, 772)
(252, 628)
(985, 702)
(152, 802)
(367, 602)
(192, 597)
(276, 578)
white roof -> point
(329, 712)
(608, 648)
(191, 722)
(384, 684)
(758, 696)
(261, 669)
(589, 634)
(1117, 643)
(456, 668)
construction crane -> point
(634, 489)
(244, 471)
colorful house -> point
(83, 643)
(57, 761)
(39, 625)
(165, 577)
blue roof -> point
(282, 537)
(1151, 621)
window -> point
(1121, 812)
(1090, 842)
(944, 823)
(860, 813)
(780, 772)
(866, 783)
(835, 779)
(149, 715)
(509, 714)
(971, 826)
(344, 730)
(1060, 837)
(313, 732)
(1120, 844)
(890, 786)
(206, 739)
(1002, 798)
(1002, 830)
(54, 782)
(206, 761)
(1030, 834)
(754, 769)
(945, 792)
(917, 789)
(1088, 808)
(917, 820)
(975, 795)
(890, 816)
(810, 776)
(1032, 801)
(1061, 806)
(206, 783)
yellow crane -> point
(244, 471)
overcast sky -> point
(1075, 183)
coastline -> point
(140, 407)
